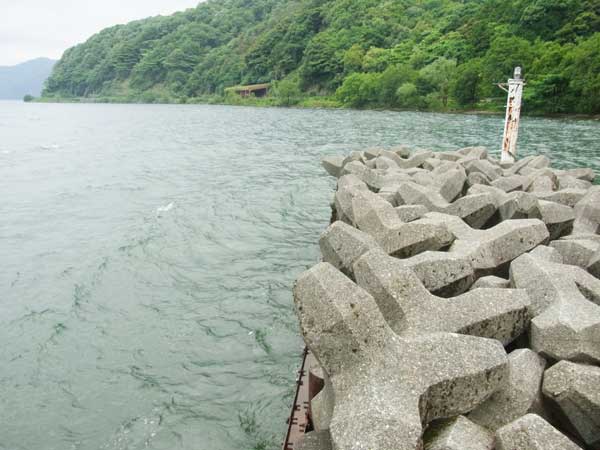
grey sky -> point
(33, 28)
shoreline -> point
(311, 103)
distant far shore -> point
(303, 103)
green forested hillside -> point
(433, 54)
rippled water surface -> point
(148, 253)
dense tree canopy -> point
(434, 54)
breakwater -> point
(457, 305)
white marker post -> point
(513, 114)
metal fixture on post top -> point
(513, 114)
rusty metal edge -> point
(298, 421)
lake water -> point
(148, 254)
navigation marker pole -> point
(513, 114)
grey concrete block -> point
(477, 178)
(316, 440)
(594, 265)
(341, 245)
(570, 182)
(387, 387)
(531, 432)
(458, 433)
(490, 249)
(448, 156)
(322, 406)
(521, 395)
(333, 165)
(410, 309)
(491, 281)
(378, 218)
(383, 162)
(491, 171)
(519, 205)
(587, 212)
(574, 388)
(568, 197)
(558, 218)
(567, 322)
(473, 152)
(583, 173)
(576, 252)
(348, 187)
(408, 213)
(443, 273)
(511, 183)
(474, 209)
(542, 184)
(401, 150)
(547, 253)
(373, 152)
(450, 179)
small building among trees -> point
(256, 90)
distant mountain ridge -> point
(25, 78)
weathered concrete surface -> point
(587, 212)
(473, 209)
(568, 197)
(408, 213)
(558, 218)
(577, 252)
(348, 186)
(566, 323)
(322, 406)
(410, 309)
(490, 249)
(575, 389)
(341, 245)
(378, 218)
(511, 183)
(491, 281)
(387, 387)
(443, 273)
(531, 432)
(594, 265)
(458, 433)
(521, 395)
(333, 165)
(316, 440)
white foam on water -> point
(163, 209)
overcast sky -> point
(33, 28)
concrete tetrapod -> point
(443, 273)
(341, 245)
(410, 309)
(458, 433)
(474, 209)
(521, 395)
(489, 250)
(378, 218)
(574, 389)
(587, 212)
(388, 387)
(576, 252)
(333, 165)
(531, 432)
(558, 218)
(566, 323)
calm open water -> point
(147, 254)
